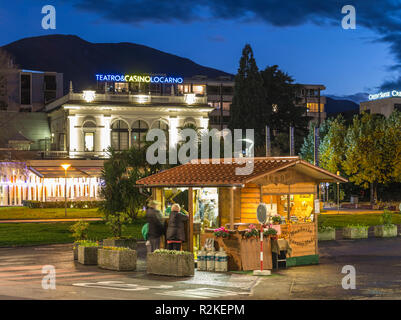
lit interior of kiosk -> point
(287, 185)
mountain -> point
(80, 60)
(346, 107)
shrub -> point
(116, 248)
(80, 230)
(386, 218)
(60, 204)
(276, 219)
(172, 252)
(357, 226)
(88, 243)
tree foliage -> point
(248, 109)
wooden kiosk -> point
(288, 185)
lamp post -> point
(65, 167)
(338, 194)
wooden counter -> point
(243, 254)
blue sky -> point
(306, 40)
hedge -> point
(60, 204)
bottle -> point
(210, 260)
(201, 262)
(221, 261)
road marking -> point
(119, 285)
(202, 293)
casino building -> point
(119, 114)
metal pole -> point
(338, 197)
(261, 249)
(65, 193)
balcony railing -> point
(140, 98)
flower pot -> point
(355, 233)
(176, 265)
(328, 234)
(119, 260)
(87, 255)
(385, 231)
(126, 243)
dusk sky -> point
(304, 38)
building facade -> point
(85, 124)
(28, 90)
(382, 103)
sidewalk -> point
(50, 220)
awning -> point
(72, 172)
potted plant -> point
(251, 232)
(117, 222)
(117, 258)
(325, 233)
(355, 232)
(87, 252)
(80, 233)
(276, 219)
(387, 229)
(170, 263)
(270, 232)
(221, 232)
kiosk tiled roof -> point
(218, 173)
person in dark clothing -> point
(156, 230)
(176, 228)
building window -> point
(25, 89)
(314, 107)
(50, 87)
(139, 130)
(162, 126)
(89, 141)
(119, 136)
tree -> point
(123, 200)
(248, 109)
(366, 162)
(307, 151)
(332, 148)
(282, 100)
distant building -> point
(309, 96)
(27, 90)
(382, 103)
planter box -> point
(126, 243)
(87, 255)
(327, 235)
(75, 251)
(175, 265)
(385, 231)
(355, 233)
(120, 260)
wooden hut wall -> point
(225, 205)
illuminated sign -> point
(137, 78)
(386, 94)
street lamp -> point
(338, 194)
(65, 167)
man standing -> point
(154, 218)
(176, 228)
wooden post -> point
(232, 208)
(191, 219)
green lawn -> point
(343, 220)
(24, 234)
(21, 213)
